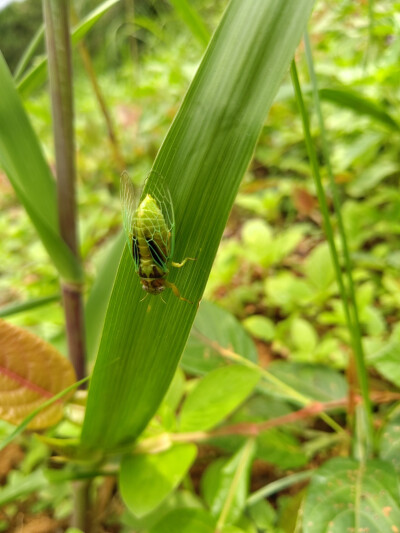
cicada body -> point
(150, 233)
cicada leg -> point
(175, 290)
(179, 265)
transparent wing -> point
(156, 186)
(129, 204)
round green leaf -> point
(216, 396)
(146, 480)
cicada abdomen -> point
(150, 231)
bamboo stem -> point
(56, 16)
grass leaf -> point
(23, 161)
(202, 160)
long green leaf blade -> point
(360, 105)
(23, 161)
(203, 159)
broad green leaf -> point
(186, 521)
(37, 74)
(215, 325)
(32, 372)
(371, 176)
(202, 160)
(316, 382)
(178, 499)
(260, 327)
(258, 239)
(146, 480)
(216, 396)
(303, 335)
(274, 445)
(287, 291)
(23, 486)
(346, 495)
(389, 444)
(360, 105)
(384, 356)
(319, 267)
(263, 514)
(225, 484)
(22, 159)
(280, 449)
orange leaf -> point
(31, 372)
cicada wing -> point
(157, 187)
(129, 204)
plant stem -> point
(112, 136)
(355, 335)
(355, 330)
(56, 15)
(283, 387)
(80, 516)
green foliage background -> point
(272, 271)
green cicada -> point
(149, 227)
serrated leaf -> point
(225, 484)
(146, 480)
(214, 324)
(216, 396)
(346, 495)
(31, 372)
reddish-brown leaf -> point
(31, 372)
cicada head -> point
(153, 286)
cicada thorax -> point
(151, 245)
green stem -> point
(355, 329)
(352, 322)
(111, 133)
(281, 385)
(278, 485)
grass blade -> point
(360, 362)
(14, 309)
(360, 105)
(202, 160)
(192, 20)
(23, 161)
